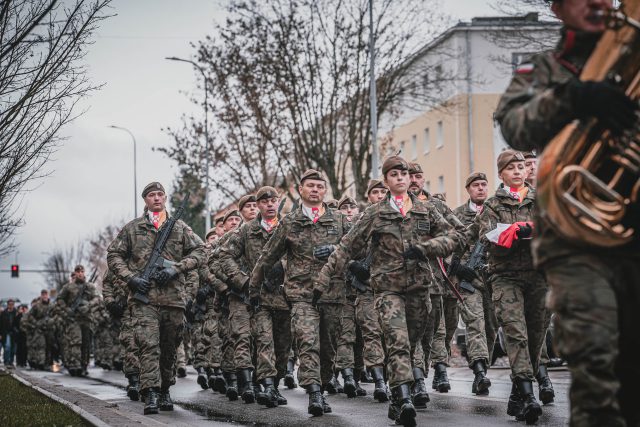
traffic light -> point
(15, 270)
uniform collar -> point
(575, 48)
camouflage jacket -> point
(40, 317)
(217, 277)
(389, 235)
(239, 256)
(468, 217)
(68, 296)
(114, 290)
(128, 254)
(295, 238)
(503, 208)
(100, 317)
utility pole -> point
(135, 169)
(207, 209)
(375, 155)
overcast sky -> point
(91, 184)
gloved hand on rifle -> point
(254, 302)
(323, 252)
(165, 275)
(414, 252)
(359, 270)
(115, 308)
(138, 285)
(202, 294)
(461, 271)
(317, 294)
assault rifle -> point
(156, 262)
(476, 263)
(351, 277)
(76, 303)
(275, 278)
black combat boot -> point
(181, 372)
(545, 388)
(359, 390)
(281, 399)
(202, 378)
(481, 383)
(164, 399)
(315, 400)
(349, 382)
(365, 377)
(401, 409)
(289, 380)
(150, 401)
(531, 410)
(419, 389)
(232, 385)
(245, 385)
(133, 388)
(380, 390)
(118, 365)
(440, 379)
(258, 392)
(269, 397)
(515, 405)
(325, 405)
(333, 386)
(219, 382)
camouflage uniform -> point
(105, 350)
(184, 353)
(37, 324)
(158, 326)
(593, 291)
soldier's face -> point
(532, 166)
(155, 201)
(514, 174)
(478, 191)
(398, 181)
(44, 296)
(377, 194)
(213, 237)
(10, 305)
(79, 276)
(312, 191)
(249, 211)
(349, 210)
(232, 223)
(268, 208)
(220, 229)
(583, 15)
(417, 182)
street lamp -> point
(375, 155)
(206, 138)
(135, 170)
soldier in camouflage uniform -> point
(402, 232)
(306, 237)
(105, 352)
(37, 324)
(184, 353)
(74, 302)
(594, 292)
(518, 289)
(270, 315)
(158, 326)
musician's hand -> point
(138, 285)
(605, 102)
(165, 275)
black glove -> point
(254, 302)
(188, 311)
(138, 285)
(465, 273)
(359, 270)
(276, 274)
(524, 231)
(414, 253)
(116, 309)
(165, 275)
(605, 102)
(323, 252)
(317, 294)
(202, 294)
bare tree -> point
(42, 44)
(60, 263)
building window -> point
(427, 186)
(441, 184)
(427, 141)
(414, 147)
(440, 135)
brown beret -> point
(375, 183)
(219, 218)
(346, 200)
(209, 233)
(266, 192)
(529, 155)
(78, 267)
(508, 156)
(394, 162)
(415, 168)
(476, 176)
(230, 213)
(311, 174)
(154, 186)
(332, 203)
(246, 199)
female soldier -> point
(402, 232)
(518, 289)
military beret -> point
(311, 174)
(154, 186)
(346, 200)
(209, 233)
(246, 199)
(529, 155)
(415, 168)
(476, 176)
(375, 183)
(230, 213)
(508, 156)
(332, 203)
(78, 267)
(266, 192)
(219, 218)
(394, 162)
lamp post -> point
(135, 169)
(375, 155)
(206, 138)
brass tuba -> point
(589, 179)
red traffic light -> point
(15, 270)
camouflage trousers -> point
(272, 334)
(39, 343)
(596, 302)
(208, 352)
(197, 331)
(472, 314)
(403, 319)
(76, 342)
(347, 340)
(240, 330)
(131, 363)
(544, 354)
(226, 344)
(422, 354)
(519, 299)
(183, 352)
(158, 333)
(106, 349)
(441, 346)
(368, 322)
(490, 320)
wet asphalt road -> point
(199, 407)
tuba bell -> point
(588, 178)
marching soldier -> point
(159, 324)
(38, 326)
